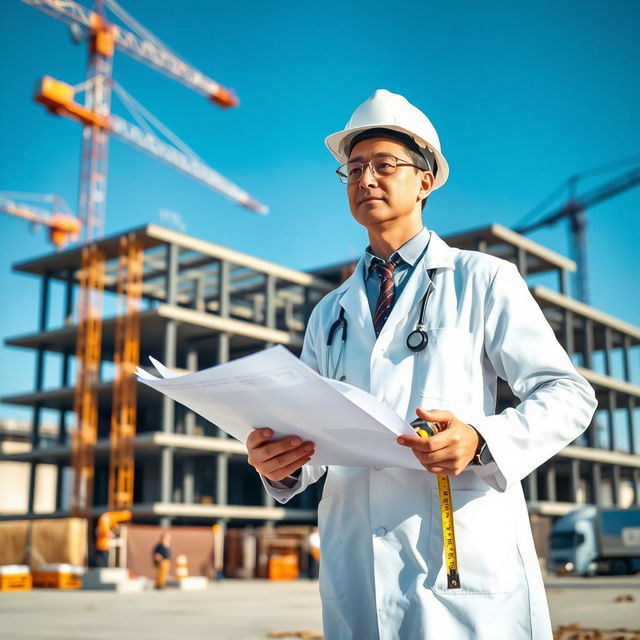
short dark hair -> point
(419, 160)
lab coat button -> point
(381, 531)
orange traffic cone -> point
(182, 570)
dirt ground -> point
(258, 609)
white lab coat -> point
(382, 574)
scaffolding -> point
(85, 401)
(126, 358)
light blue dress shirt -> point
(406, 258)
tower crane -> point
(574, 211)
(62, 225)
(104, 37)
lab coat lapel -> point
(354, 301)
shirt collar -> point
(409, 253)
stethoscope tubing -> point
(416, 341)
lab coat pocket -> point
(485, 544)
(443, 368)
(332, 560)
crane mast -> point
(98, 124)
(574, 210)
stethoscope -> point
(417, 340)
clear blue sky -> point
(522, 95)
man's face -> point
(380, 202)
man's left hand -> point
(448, 451)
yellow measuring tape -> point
(424, 430)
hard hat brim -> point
(338, 142)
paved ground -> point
(250, 610)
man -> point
(430, 329)
(161, 555)
(108, 533)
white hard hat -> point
(386, 110)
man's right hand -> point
(277, 459)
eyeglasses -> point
(381, 167)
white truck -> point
(595, 540)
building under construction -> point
(203, 304)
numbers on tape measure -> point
(426, 429)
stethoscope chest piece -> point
(417, 340)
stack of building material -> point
(58, 576)
(283, 566)
(113, 579)
(15, 577)
(38, 541)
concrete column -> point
(168, 422)
(626, 352)
(611, 418)
(40, 373)
(222, 478)
(634, 447)
(550, 483)
(68, 298)
(187, 480)
(595, 479)
(635, 479)
(608, 346)
(615, 484)
(587, 348)
(222, 459)
(171, 274)
(198, 294)
(192, 365)
(592, 433)
(224, 295)
(574, 479)
(567, 331)
(522, 261)
(166, 481)
(168, 406)
(562, 281)
(270, 302)
(532, 486)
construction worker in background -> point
(430, 329)
(162, 559)
(107, 533)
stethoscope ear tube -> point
(340, 323)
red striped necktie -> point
(386, 295)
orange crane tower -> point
(104, 37)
